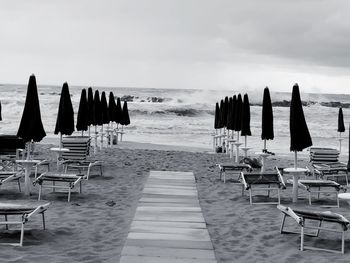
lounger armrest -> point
(288, 211)
(39, 179)
(12, 177)
(246, 185)
(39, 209)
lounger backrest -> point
(78, 146)
(9, 144)
(322, 155)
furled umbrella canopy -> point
(90, 107)
(299, 133)
(65, 115)
(222, 106)
(104, 108)
(97, 110)
(341, 127)
(225, 112)
(112, 107)
(233, 108)
(229, 121)
(238, 113)
(82, 117)
(118, 112)
(267, 117)
(126, 118)
(217, 124)
(246, 117)
(31, 126)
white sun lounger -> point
(321, 186)
(301, 216)
(257, 181)
(24, 211)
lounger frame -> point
(287, 211)
(278, 185)
(25, 216)
(232, 167)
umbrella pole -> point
(121, 135)
(28, 150)
(264, 145)
(340, 142)
(82, 133)
(295, 159)
(245, 141)
(101, 145)
(95, 149)
(60, 140)
(89, 131)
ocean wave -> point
(184, 112)
(330, 104)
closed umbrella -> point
(118, 112)
(125, 118)
(31, 127)
(112, 114)
(65, 115)
(105, 114)
(267, 118)
(90, 108)
(217, 117)
(97, 115)
(341, 127)
(83, 111)
(225, 112)
(222, 106)
(299, 133)
(229, 123)
(245, 119)
(0, 112)
(238, 115)
(233, 109)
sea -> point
(185, 117)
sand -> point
(94, 225)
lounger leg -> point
(346, 179)
(318, 230)
(43, 216)
(80, 188)
(242, 190)
(220, 174)
(342, 242)
(7, 226)
(302, 239)
(40, 189)
(69, 190)
(53, 186)
(101, 168)
(279, 197)
(224, 177)
(282, 224)
(309, 198)
(268, 191)
(19, 185)
(22, 234)
(337, 199)
(250, 196)
(318, 193)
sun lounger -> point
(24, 210)
(321, 186)
(10, 145)
(257, 181)
(223, 167)
(64, 181)
(77, 156)
(67, 181)
(326, 165)
(301, 216)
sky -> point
(200, 44)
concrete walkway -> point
(168, 225)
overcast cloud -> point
(178, 44)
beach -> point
(94, 225)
